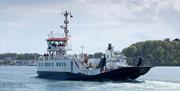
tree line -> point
(160, 52)
(16, 56)
(164, 52)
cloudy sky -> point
(26, 23)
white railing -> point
(56, 35)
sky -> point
(24, 24)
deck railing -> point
(56, 35)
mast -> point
(58, 45)
(66, 22)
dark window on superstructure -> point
(62, 63)
(59, 64)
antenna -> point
(66, 22)
(51, 36)
(82, 47)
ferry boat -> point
(57, 64)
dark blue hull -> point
(118, 74)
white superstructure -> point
(57, 60)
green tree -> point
(130, 51)
(98, 55)
(160, 52)
(158, 55)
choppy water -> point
(22, 78)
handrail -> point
(56, 35)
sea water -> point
(23, 78)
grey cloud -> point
(131, 10)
